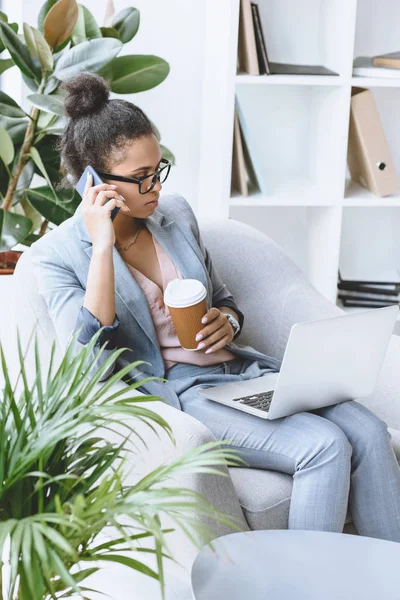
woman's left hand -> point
(217, 333)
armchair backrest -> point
(259, 274)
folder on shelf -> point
(239, 179)
(369, 157)
(244, 178)
(254, 170)
(247, 42)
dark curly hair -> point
(98, 128)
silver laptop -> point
(325, 362)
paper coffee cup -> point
(186, 300)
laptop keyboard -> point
(262, 401)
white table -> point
(297, 565)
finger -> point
(213, 326)
(219, 345)
(115, 202)
(88, 183)
(105, 195)
(210, 315)
(95, 189)
(214, 337)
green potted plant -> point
(67, 40)
(62, 481)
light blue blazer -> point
(61, 261)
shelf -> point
(284, 199)
(356, 195)
(375, 82)
(244, 79)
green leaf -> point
(9, 107)
(31, 83)
(137, 73)
(14, 228)
(126, 22)
(6, 63)
(51, 159)
(88, 56)
(53, 104)
(109, 32)
(86, 27)
(92, 29)
(42, 200)
(6, 146)
(16, 128)
(51, 84)
(125, 560)
(31, 213)
(38, 47)
(19, 52)
(167, 154)
(39, 163)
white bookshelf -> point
(299, 126)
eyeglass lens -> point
(146, 185)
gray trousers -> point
(339, 455)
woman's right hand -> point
(96, 210)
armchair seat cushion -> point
(265, 495)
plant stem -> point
(43, 227)
(24, 154)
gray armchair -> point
(273, 293)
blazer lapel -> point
(185, 254)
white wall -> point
(173, 30)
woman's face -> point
(143, 158)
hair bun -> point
(85, 94)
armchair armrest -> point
(189, 433)
(385, 399)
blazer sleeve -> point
(221, 295)
(64, 296)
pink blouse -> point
(171, 349)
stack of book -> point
(370, 293)
(253, 57)
(383, 65)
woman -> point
(95, 273)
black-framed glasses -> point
(147, 182)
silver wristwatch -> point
(233, 322)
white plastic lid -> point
(184, 292)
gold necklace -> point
(123, 248)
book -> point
(249, 152)
(289, 69)
(363, 295)
(260, 41)
(389, 290)
(391, 60)
(370, 276)
(367, 303)
(363, 66)
(247, 43)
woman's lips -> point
(155, 202)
